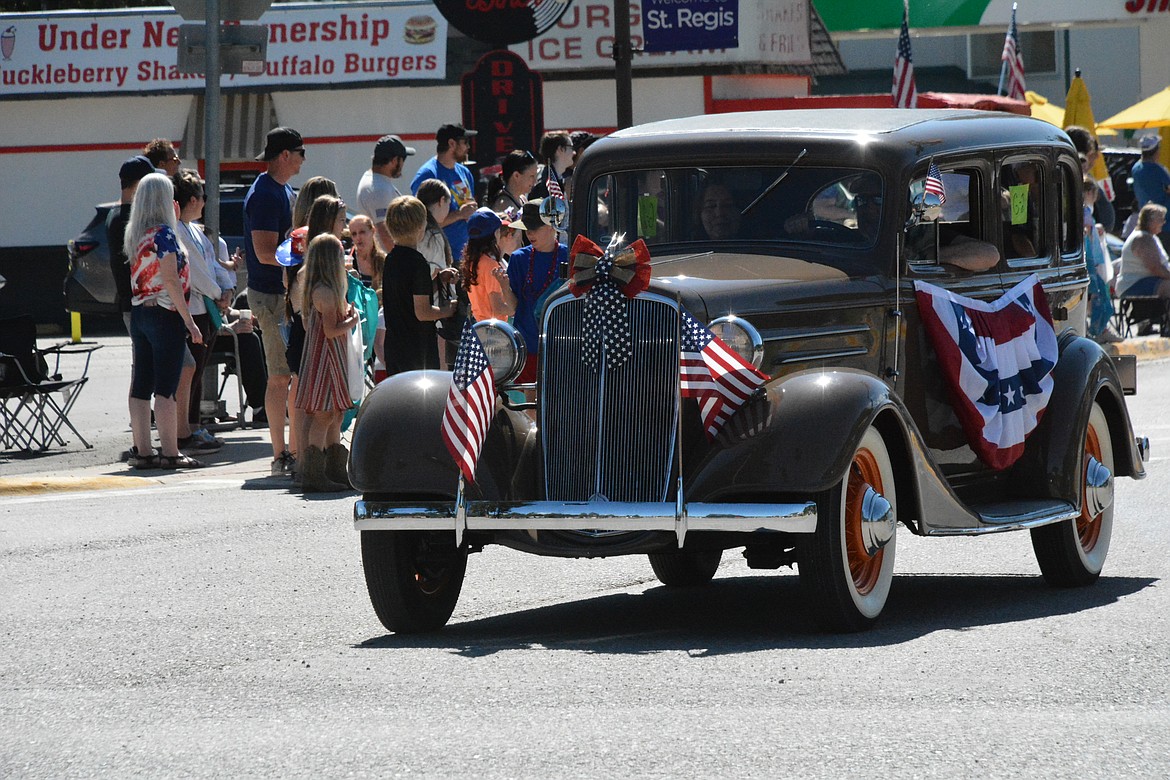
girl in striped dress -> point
(323, 393)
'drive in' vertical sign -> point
(688, 25)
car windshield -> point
(704, 206)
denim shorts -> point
(158, 339)
(1147, 285)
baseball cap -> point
(453, 133)
(1149, 142)
(530, 217)
(483, 222)
(389, 147)
(134, 169)
(280, 139)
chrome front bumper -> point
(799, 518)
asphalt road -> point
(214, 625)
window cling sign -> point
(688, 25)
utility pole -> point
(212, 130)
(623, 62)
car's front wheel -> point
(413, 577)
(1073, 553)
(684, 569)
(847, 566)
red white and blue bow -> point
(604, 277)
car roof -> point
(842, 121)
(883, 138)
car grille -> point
(609, 433)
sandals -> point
(180, 461)
(142, 462)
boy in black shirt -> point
(410, 343)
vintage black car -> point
(799, 237)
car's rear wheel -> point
(684, 569)
(413, 577)
(847, 566)
(1073, 553)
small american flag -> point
(554, 189)
(470, 404)
(934, 183)
(1015, 61)
(905, 92)
(714, 374)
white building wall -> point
(67, 183)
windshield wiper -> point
(774, 184)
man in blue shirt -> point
(452, 145)
(533, 276)
(1151, 180)
(267, 220)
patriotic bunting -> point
(997, 361)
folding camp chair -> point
(225, 352)
(30, 412)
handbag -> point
(213, 313)
(355, 364)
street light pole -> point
(212, 133)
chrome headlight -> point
(504, 347)
(741, 336)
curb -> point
(1144, 348)
(31, 486)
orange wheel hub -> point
(1088, 525)
(864, 568)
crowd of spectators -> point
(431, 259)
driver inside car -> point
(718, 214)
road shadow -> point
(746, 614)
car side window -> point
(1071, 216)
(959, 221)
(1021, 192)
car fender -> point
(815, 420)
(1052, 459)
(398, 447)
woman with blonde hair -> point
(1145, 269)
(160, 321)
(323, 392)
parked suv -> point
(89, 286)
(837, 251)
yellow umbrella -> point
(1044, 109)
(1079, 111)
(1152, 112)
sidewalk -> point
(101, 416)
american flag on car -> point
(470, 403)
(715, 375)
